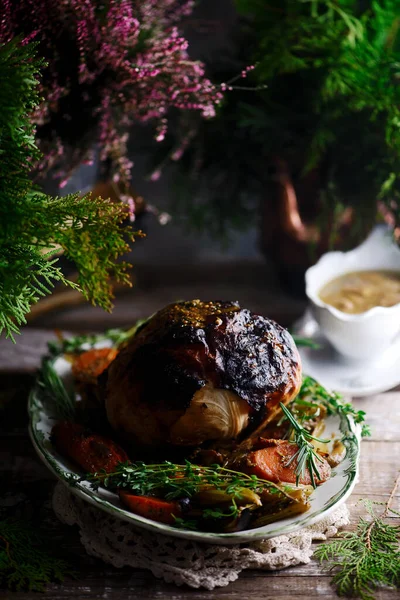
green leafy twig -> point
(305, 342)
(230, 489)
(306, 455)
(178, 481)
(80, 343)
(25, 563)
(61, 401)
(313, 391)
(35, 226)
(368, 557)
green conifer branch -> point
(25, 562)
(333, 101)
(34, 226)
(367, 558)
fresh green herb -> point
(228, 491)
(314, 392)
(230, 512)
(53, 391)
(306, 455)
(368, 557)
(305, 342)
(189, 524)
(80, 343)
(25, 564)
(304, 411)
(172, 481)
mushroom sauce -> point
(359, 291)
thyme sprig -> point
(313, 392)
(232, 490)
(306, 455)
(368, 557)
(173, 481)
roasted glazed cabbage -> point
(199, 372)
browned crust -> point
(185, 346)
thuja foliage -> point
(330, 111)
(333, 99)
(34, 226)
(25, 562)
(367, 558)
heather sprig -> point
(110, 65)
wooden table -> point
(26, 480)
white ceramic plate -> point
(335, 372)
(324, 499)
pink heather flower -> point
(130, 202)
(155, 176)
(97, 68)
(63, 183)
(177, 154)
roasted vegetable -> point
(87, 366)
(211, 496)
(162, 511)
(92, 452)
(277, 462)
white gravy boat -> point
(367, 335)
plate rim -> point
(353, 439)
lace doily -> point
(183, 561)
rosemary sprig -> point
(53, 391)
(368, 557)
(306, 455)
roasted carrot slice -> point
(271, 463)
(151, 508)
(91, 451)
(86, 367)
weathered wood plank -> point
(383, 415)
(25, 356)
(143, 586)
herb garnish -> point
(305, 342)
(175, 481)
(53, 391)
(314, 392)
(80, 343)
(306, 455)
(227, 491)
(368, 557)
